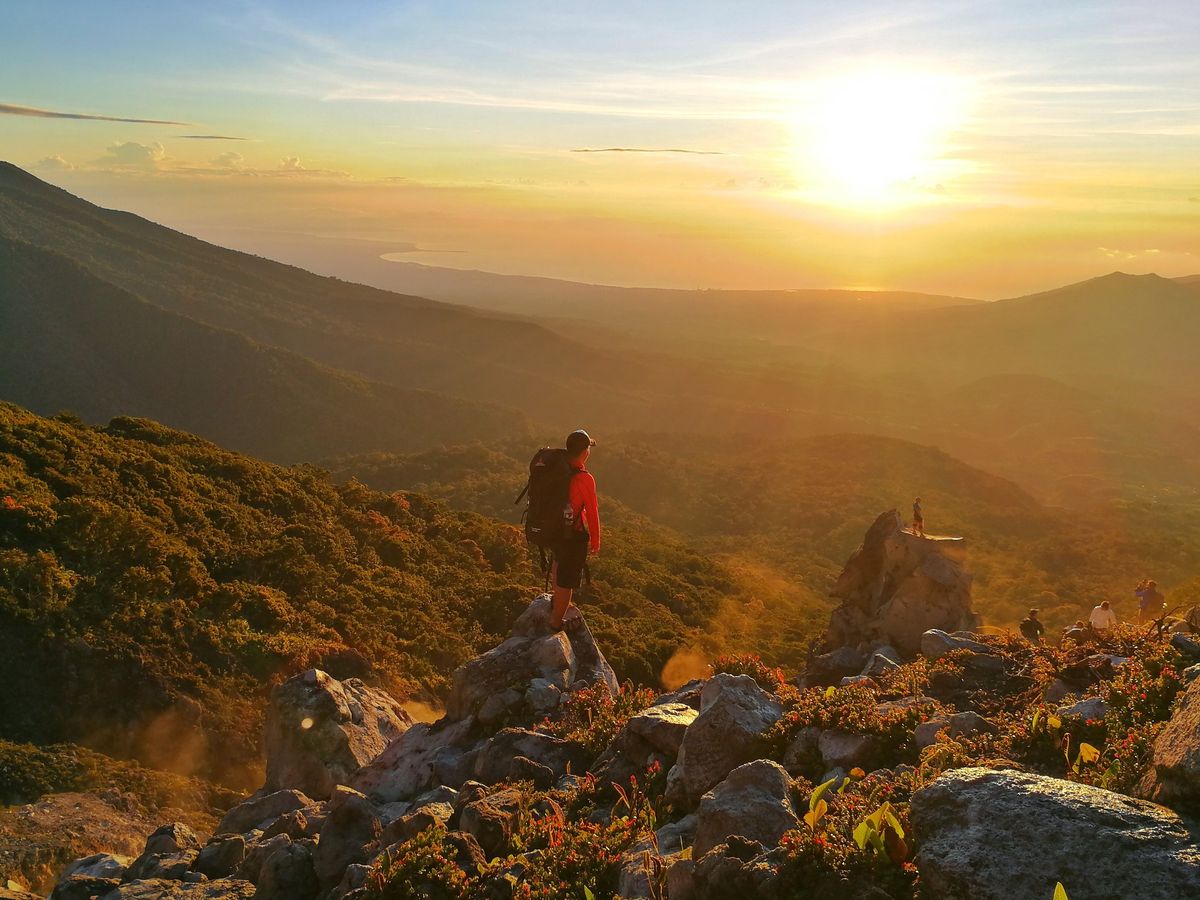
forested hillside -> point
(792, 510)
(154, 585)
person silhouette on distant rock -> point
(918, 525)
(583, 537)
(1032, 628)
(1103, 617)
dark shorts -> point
(570, 556)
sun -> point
(878, 138)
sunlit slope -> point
(72, 341)
(797, 507)
(388, 338)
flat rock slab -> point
(985, 834)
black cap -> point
(578, 441)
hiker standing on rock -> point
(563, 517)
(918, 525)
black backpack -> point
(548, 517)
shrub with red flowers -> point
(592, 717)
(423, 867)
(855, 709)
(769, 678)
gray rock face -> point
(170, 852)
(964, 723)
(1174, 776)
(261, 811)
(844, 750)
(897, 586)
(936, 643)
(489, 820)
(493, 761)
(531, 657)
(287, 874)
(753, 802)
(222, 857)
(352, 823)
(1092, 708)
(409, 765)
(734, 715)
(997, 835)
(653, 734)
(321, 731)
(98, 865)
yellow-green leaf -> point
(829, 691)
(818, 791)
(1060, 892)
(1054, 722)
(1088, 753)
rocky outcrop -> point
(654, 734)
(735, 713)
(542, 663)
(321, 731)
(1174, 776)
(897, 586)
(995, 835)
(754, 802)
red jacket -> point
(584, 503)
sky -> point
(983, 149)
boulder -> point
(653, 734)
(490, 820)
(288, 874)
(222, 857)
(936, 643)
(991, 834)
(321, 731)
(1187, 645)
(351, 825)
(261, 811)
(257, 853)
(80, 887)
(1091, 708)
(831, 667)
(843, 749)
(531, 653)
(493, 761)
(735, 713)
(543, 696)
(98, 865)
(753, 802)
(226, 889)
(1174, 775)
(410, 763)
(898, 585)
(803, 751)
(169, 854)
(966, 723)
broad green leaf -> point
(862, 833)
(818, 791)
(815, 815)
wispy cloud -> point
(212, 137)
(647, 150)
(12, 109)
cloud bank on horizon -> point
(984, 149)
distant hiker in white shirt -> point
(1103, 617)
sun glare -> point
(879, 138)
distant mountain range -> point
(1084, 394)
